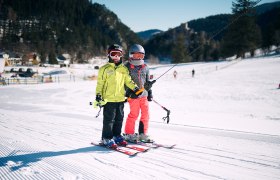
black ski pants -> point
(112, 119)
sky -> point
(164, 14)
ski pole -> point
(100, 107)
(168, 111)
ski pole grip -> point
(139, 91)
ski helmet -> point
(136, 48)
(114, 47)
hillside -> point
(77, 27)
(224, 122)
(84, 30)
(263, 8)
(204, 36)
(148, 34)
(211, 24)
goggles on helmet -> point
(137, 55)
(113, 54)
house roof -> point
(61, 58)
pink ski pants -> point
(135, 106)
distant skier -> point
(110, 93)
(193, 73)
(175, 74)
(139, 72)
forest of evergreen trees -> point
(84, 30)
(48, 27)
(248, 28)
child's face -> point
(115, 55)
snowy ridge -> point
(224, 122)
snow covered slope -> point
(225, 122)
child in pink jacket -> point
(139, 73)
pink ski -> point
(124, 150)
(138, 147)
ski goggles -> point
(137, 55)
(113, 54)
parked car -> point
(14, 70)
(21, 70)
(28, 73)
(56, 72)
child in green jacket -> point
(112, 77)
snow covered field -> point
(225, 122)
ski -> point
(154, 145)
(167, 146)
(124, 150)
(138, 147)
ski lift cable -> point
(212, 37)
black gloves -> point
(148, 85)
(137, 92)
(150, 95)
(99, 102)
(130, 94)
(98, 98)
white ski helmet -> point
(136, 48)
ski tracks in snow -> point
(48, 147)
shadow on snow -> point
(24, 160)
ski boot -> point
(133, 138)
(145, 138)
(119, 140)
(110, 143)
